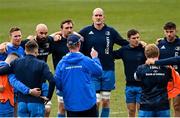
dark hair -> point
(13, 29)
(66, 21)
(169, 25)
(31, 46)
(132, 32)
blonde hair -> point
(151, 51)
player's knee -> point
(132, 110)
(48, 109)
(177, 107)
(106, 99)
(62, 111)
(47, 112)
(61, 108)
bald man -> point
(43, 41)
(102, 38)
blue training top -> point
(73, 76)
(103, 41)
(10, 49)
(154, 81)
(170, 49)
(59, 49)
(132, 58)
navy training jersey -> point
(132, 58)
(154, 81)
(59, 49)
(103, 41)
(170, 49)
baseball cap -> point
(73, 39)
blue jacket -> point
(11, 48)
(73, 76)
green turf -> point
(148, 16)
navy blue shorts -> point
(105, 82)
(133, 94)
(163, 113)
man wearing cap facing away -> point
(73, 75)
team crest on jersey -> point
(163, 47)
(177, 48)
(107, 33)
(47, 45)
(91, 32)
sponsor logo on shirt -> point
(91, 32)
(73, 67)
(47, 45)
(163, 47)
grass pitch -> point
(145, 15)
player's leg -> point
(131, 109)
(98, 101)
(97, 87)
(176, 105)
(47, 109)
(45, 88)
(132, 94)
(130, 100)
(61, 110)
(105, 103)
(108, 84)
(138, 98)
